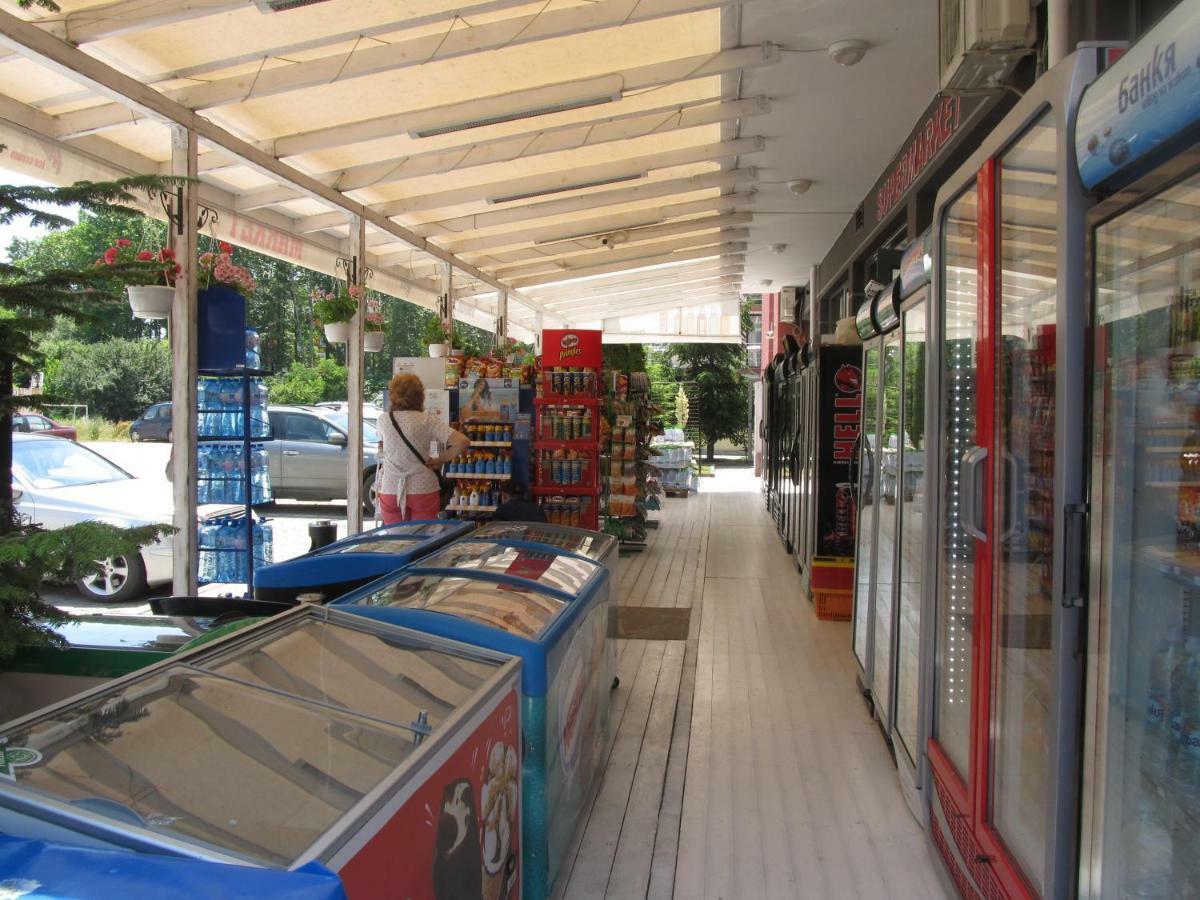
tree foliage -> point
(31, 300)
(117, 378)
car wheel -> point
(368, 494)
(120, 579)
(134, 436)
(170, 436)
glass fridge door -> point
(956, 548)
(1023, 471)
(867, 505)
(885, 541)
(910, 499)
(1144, 724)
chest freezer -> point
(353, 561)
(38, 869)
(554, 610)
(593, 544)
(387, 756)
(97, 649)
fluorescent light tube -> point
(514, 115)
(509, 198)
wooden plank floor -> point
(743, 762)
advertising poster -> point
(437, 403)
(839, 418)
(432, 372)
(458, 835)
(488, 399)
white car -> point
(57, 482)
(371, 412)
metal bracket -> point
(172, 205)
(421, 726)
(350, 266)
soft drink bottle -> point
(1157, 736)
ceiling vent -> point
(274, 6)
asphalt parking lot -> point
(290, 520)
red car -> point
(36, 423)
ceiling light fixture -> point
(848, 53)
(767, 282)
(529, 195)
(800, 186)
(777, 249)
(515, 115)
(270, 6)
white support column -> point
(501, 318)
(184, 371)
(357, 275)
(1058, 31)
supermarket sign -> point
(1144, 100)
(572, 347)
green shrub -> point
(117, 378)
(98, 429)
(303, 385)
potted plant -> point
(437, 336)
(149, 277)
(335, 309)
(373, 327)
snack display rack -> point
(631, 480)
(566, 448)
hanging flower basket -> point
(373, 341)
(150, 301)
(436, 350)
(337, 332)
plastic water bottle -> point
(259, 396)
(253, 357)
(1183, 753)
(268, 543)
(204, 540)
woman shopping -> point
(408, 483)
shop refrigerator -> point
(353, 561)
(827, 568)
(594, 545)
(1008, 463)
(1141, 802)
(554, 610)
(387, 756)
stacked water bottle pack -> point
(223, 557)
(221, 474)
(221, 403)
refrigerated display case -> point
(594, 545)
(315, 736)
(1141, 802)
(353, 561)
(1007, 345)
(556, 611)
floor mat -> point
(654, 623)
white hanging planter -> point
(373, 341)
(436, 350)
(337, 332)
(150, 301)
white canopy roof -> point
(591, 157)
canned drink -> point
(843, 511)
(576, 471)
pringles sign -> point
(572, 348)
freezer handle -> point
(970, 485)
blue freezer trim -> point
(531, 653)
(58, 870)
(334, 568)
(535, 822)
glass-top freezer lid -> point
(373, 545)
(389, 676)
(420, 530)
(546, 567)
(508, 607)
(209, 760)
(591, 544)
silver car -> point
(57, 482)
(308, 455)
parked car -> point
(57, 482)
(36, 423)
(371, 411)
(153, 425)
(308, 455)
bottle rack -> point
(231, 426)
(482, 469)
(567, 448)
